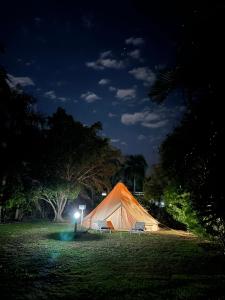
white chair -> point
(103, 226)
(139, 227)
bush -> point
(178, 204)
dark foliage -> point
(192, 156)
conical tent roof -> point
(122, 210)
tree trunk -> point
(58, 217)
(134, 185)
(17, 214)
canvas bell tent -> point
(121, 210)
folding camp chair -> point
(103, 226)
(139, 227)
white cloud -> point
(134, 41)
(94, 65)
(115, 140)
(104, 61)
(89, 97)
(135, 54)
(112, 63)
(13, 81)
(154, 117)
(123, 143)
(111, 115)
(112, 89)
(106, 54)
(139, 117)
(50, 95)
(104, 81)
(141, 137)
(63, 99)
(145, 74)
(146, 99)
(126, 94)
(155, 125)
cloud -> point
(134, 41)
(155, 125)
(153, 117)
(106, 54)
(141, 137)
(126, 94)
(52, 95)
(146, 99)
(62, 99)
(111, 115)
(115, 140)
(105, 61)
(135, 54)
(13, 81)
(139, 117)
(123, 143)
(104, 81)
(145, 74)
(112, 89)
(89, 97)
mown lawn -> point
(42, 261)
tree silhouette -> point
(192, 154)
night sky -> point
(98, 60)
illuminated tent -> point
(121, 211)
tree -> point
(178, 204)
(19, 202)
(57, 196)
(77, 153)
(75, 157)
(20, 130)
(192, 155)
(155, 184)
(132, 171)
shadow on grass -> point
(68, 236)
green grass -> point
(43, 261)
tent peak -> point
(120, 185)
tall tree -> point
(74, 157)
(19, 138)
(132, 172)
(192, 154)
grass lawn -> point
(42, 261)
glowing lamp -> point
(76, 215)
(104, 194)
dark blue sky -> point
(97, 59)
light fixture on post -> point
(82, 208)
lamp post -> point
(76, 217)
(82, 208)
